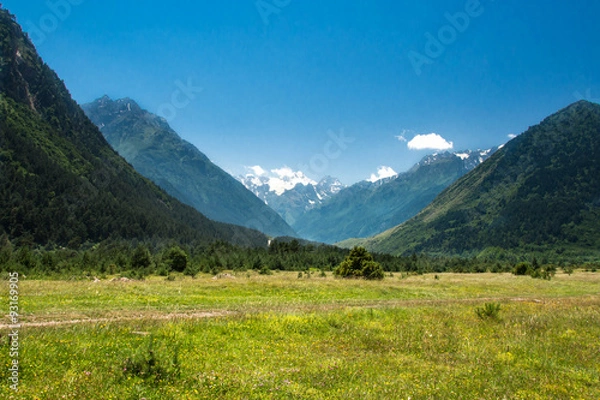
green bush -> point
(360, 264)
(155, 365)
(176, 259)
(265, 271)
(535, 270)
(522, 269)
(141, 258)
(568, 269)
(488, 311)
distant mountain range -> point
(540, 193)
(61, 183)
(156, 151)
(289, 192)
(368, 208)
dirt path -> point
(140, 317)
(284, 308)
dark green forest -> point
(137, 260)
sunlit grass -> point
(258, 292)
(315, 339)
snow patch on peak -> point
(286, 179)
(277, 180)
(462, 156)
(290, 193)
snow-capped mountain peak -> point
(277, 181)
(470, 158)
(290, 193)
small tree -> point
(359, 264)
(522, 269)
(141, 258)
(176, 259)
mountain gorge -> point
(290, 193)
(541, 192)
(60, 181)
(157, 152)
(368, 208)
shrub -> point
(546, 272)
(522, 269)
(372, 271)
(568, 269)
(154, 365)
(191, 270)
(535, 270)
(265, 271)
(360, 264)
(162, 270)
(141, 258)
(488, 311)
(176, 259)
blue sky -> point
(326, 86)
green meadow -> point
(250, 336)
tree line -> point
(137, 260)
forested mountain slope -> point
(541, 192)
(61, 182)
(157, 152)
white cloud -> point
(382, 173)
(257, 170)
(283, 179)
(401, 138)
(285, 172)
(432, 141)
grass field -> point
(281, 337)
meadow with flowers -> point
(282, 336)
